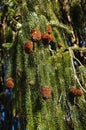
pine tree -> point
(49, 76)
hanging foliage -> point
(42, 77)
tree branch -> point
(71, 54)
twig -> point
(54, 23)
(71, 54)
(79, 48)
(78, 61)
(60, 98)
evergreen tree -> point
(41, 49)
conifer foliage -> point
(42, 65)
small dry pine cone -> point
(60, 45)
(47, 37)
(28, 46)
(79, 92)
(36, 35)
(46, 92)
(75, 91)
(49, 29)
(9, 83)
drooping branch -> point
(61, 25)
(83, 49)
(71, 55)
(78, 61)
